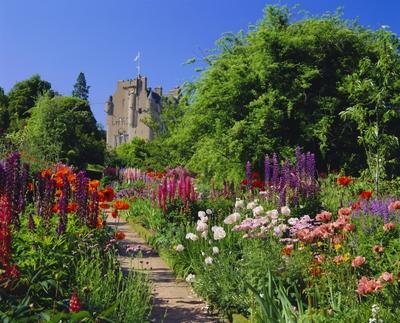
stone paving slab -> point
(173, 299)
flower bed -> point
(337, 263)
(57, 257)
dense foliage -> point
(285, 84)
(63, 128)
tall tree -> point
(22, 98)
(81, 89)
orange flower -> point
(344, 180)
(93, 185)
(287, 250)
(58, 193)
(72, 207)
(55, 208)
(107, 194)
(366, 195)
(104, 206)
(59, 181)
(46, 173)
(100, 223)
(119, 235)
(72, 178)
(121, 205)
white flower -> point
(219, 232)
(257, 211)
(273, 214)
(208, 261)
(209, 211)
(215, 250)
(203, 253)
(251, 205)
(293, 221)
(230, 219)
(191, 236)
(179, 248)
(239, 204)
(201, 226)
(202, 216)
(285, 210)
(204, 234)
(190, 278)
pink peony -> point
(358, 261)
(324, 216)
(349, 227)
(394, 206)
(344, 211)
(366, 286)
(386, 278)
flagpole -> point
(137, 60)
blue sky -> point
(60, 38)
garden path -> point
(173, 299)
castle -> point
(132, 104)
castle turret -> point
(109, 107)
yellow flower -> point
(338, 246)
(346, 257)
(319, 244)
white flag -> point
(137, 56)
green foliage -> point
(81, 89)
(373, 92)
(63, 128)
(103, 286)
(22, 97)
(4, 115)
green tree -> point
(22, 97)
(81, 89)
(373, 89)
(4, 116)
(63, 128)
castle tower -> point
(132, 104)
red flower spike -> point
(74, 304)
